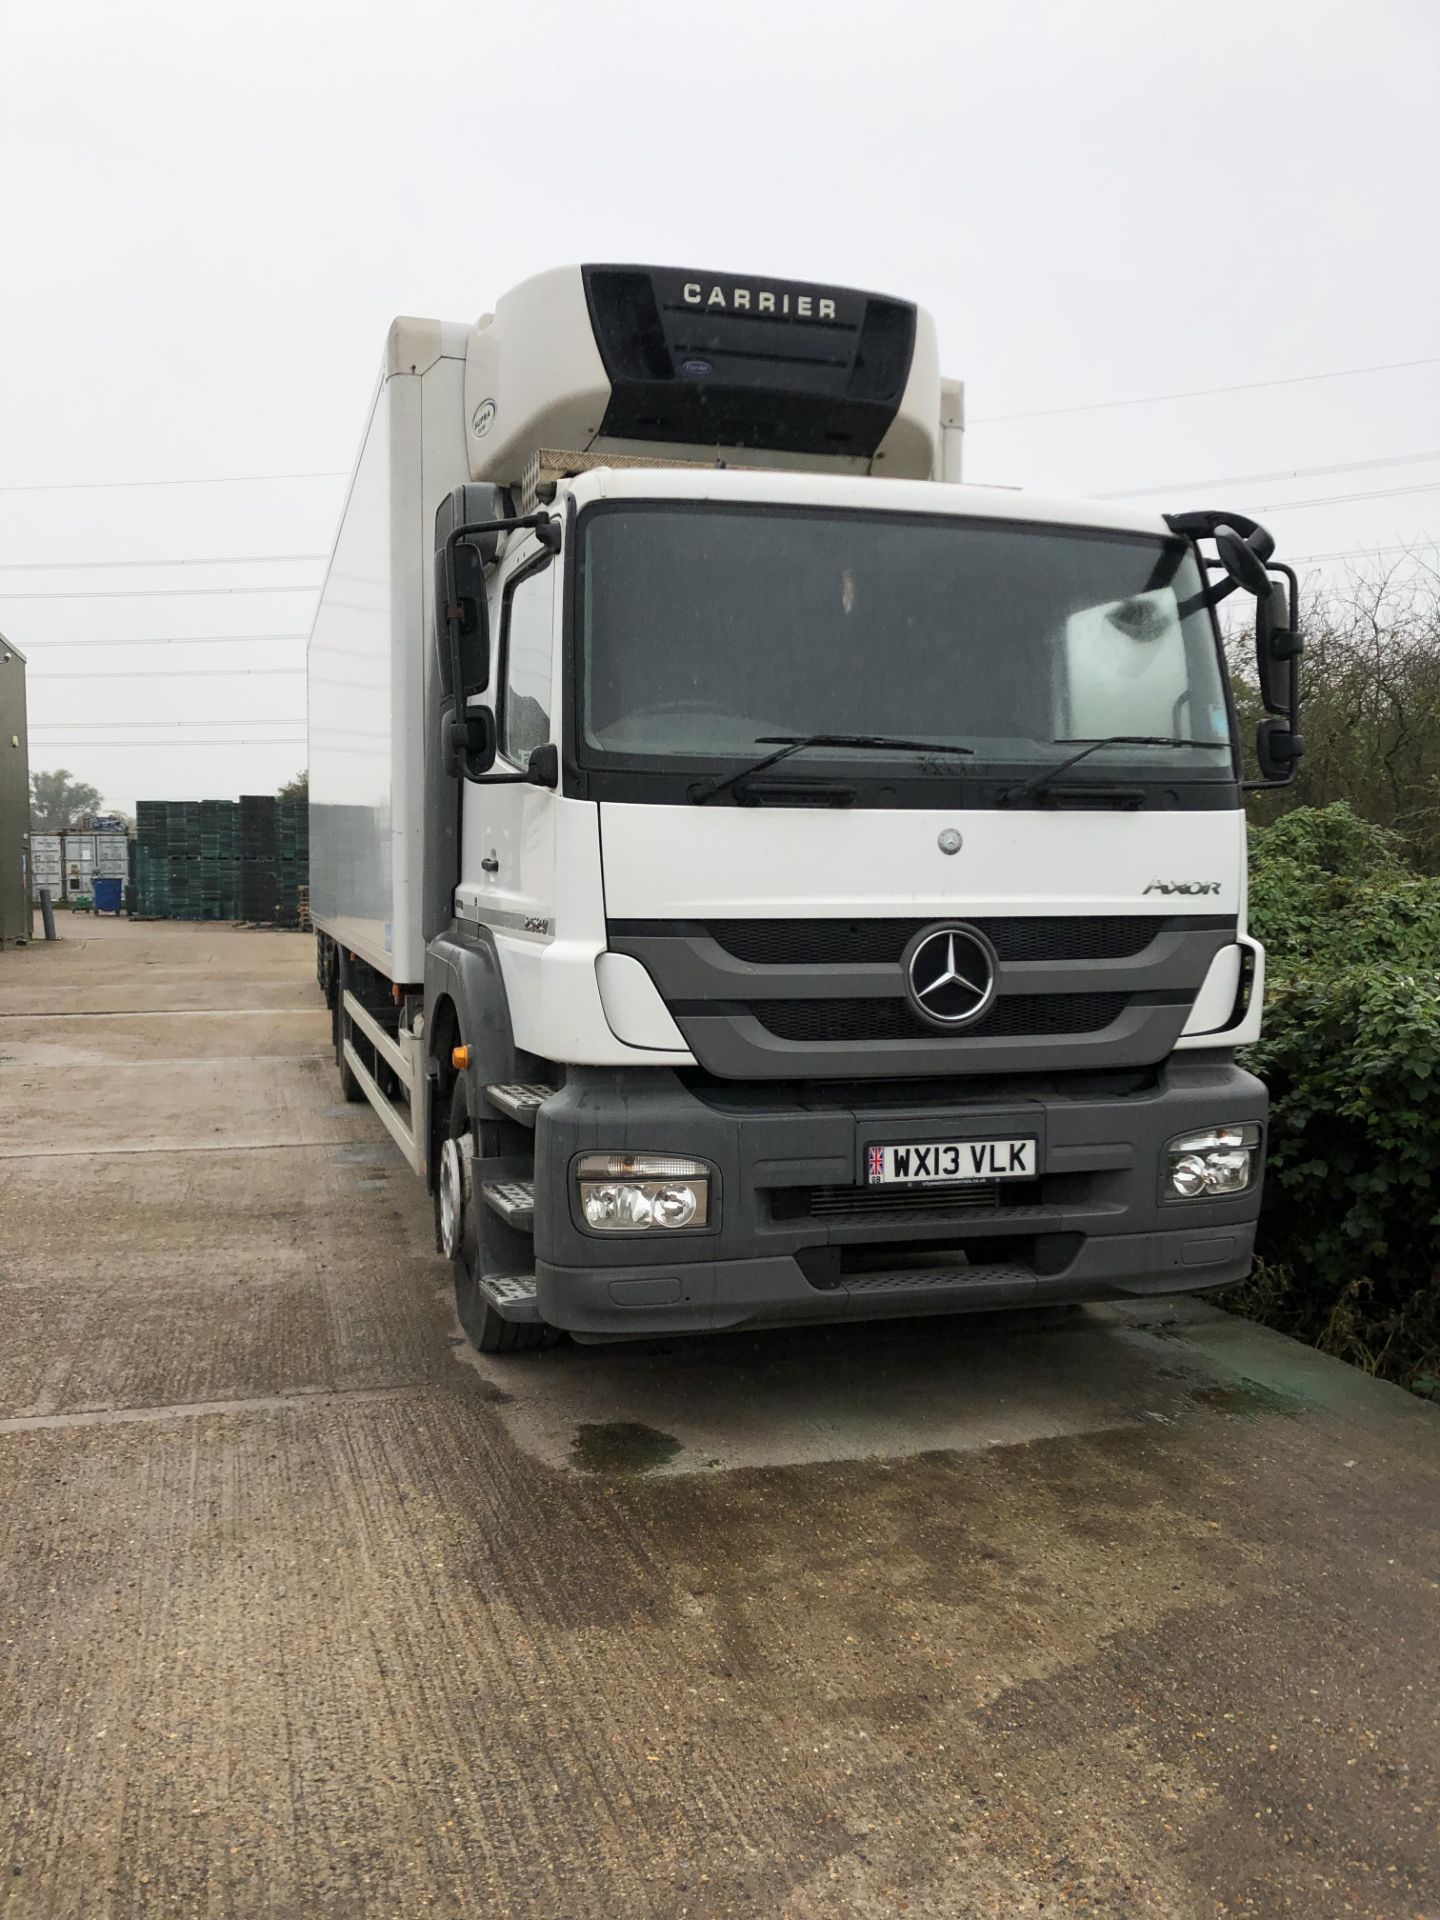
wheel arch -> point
(466, 1006)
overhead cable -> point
(1205, 393)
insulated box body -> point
(367, 654)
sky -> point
(209, 215)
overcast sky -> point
(208, 216)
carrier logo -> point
(780, 306)
(1183, 886)
(950, 975)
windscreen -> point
(705, 628)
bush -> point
(1349, 1244)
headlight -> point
(632, 1192)
(1221, 1161)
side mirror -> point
(543, 767)
(1242, 563)
(465, 660)
(1278, 647)
(1243, 545)
(460, 565)
(1278, 749)
(471, 742)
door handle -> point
(490, 864)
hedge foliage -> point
(1349, 1248)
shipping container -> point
(46, 869)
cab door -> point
(507, 857)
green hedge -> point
(1349, 1251)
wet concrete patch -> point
(885, 1392)
(1247, 1400)
(622, 1446)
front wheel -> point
(458, 1231)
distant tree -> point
(57, 801)
(298, 788)
(1371, 713)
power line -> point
(214, 560)
(162, 673)
(180, 640)
(1256, 479)
(153, 593)
(201, 480)
(1367, 553)
(1347, 499)
(94, 726)
(1204, 393)
(259, 740)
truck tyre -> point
(455, 1189)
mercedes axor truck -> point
(759, 878)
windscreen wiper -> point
(1043, 780)
(788, 743)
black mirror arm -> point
(467, 529)
(1210, 595)
(542, 770)
(1250, 545)
(1202, 524)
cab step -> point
(513, 1200)
(512, 1296)
(519, 1100)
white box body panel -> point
(365, 661)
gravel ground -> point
(305, 1610)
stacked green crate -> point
(292, 865)
(186, 859)
(219, 860)
(222, 859)
(152, 882)
(182, 829)
(259, 881)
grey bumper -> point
(796, 1235)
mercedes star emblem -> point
(950, 975)
(950, 840)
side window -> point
(525, 712)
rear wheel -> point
(459, 1230)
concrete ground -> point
(305, 1610)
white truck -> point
(758, 878)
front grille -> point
(865, 1203)
(818, 943)
(1018, 1014)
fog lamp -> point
(634, 1192)
(1223, 1160)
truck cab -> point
(824, 884)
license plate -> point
(952, 1161)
